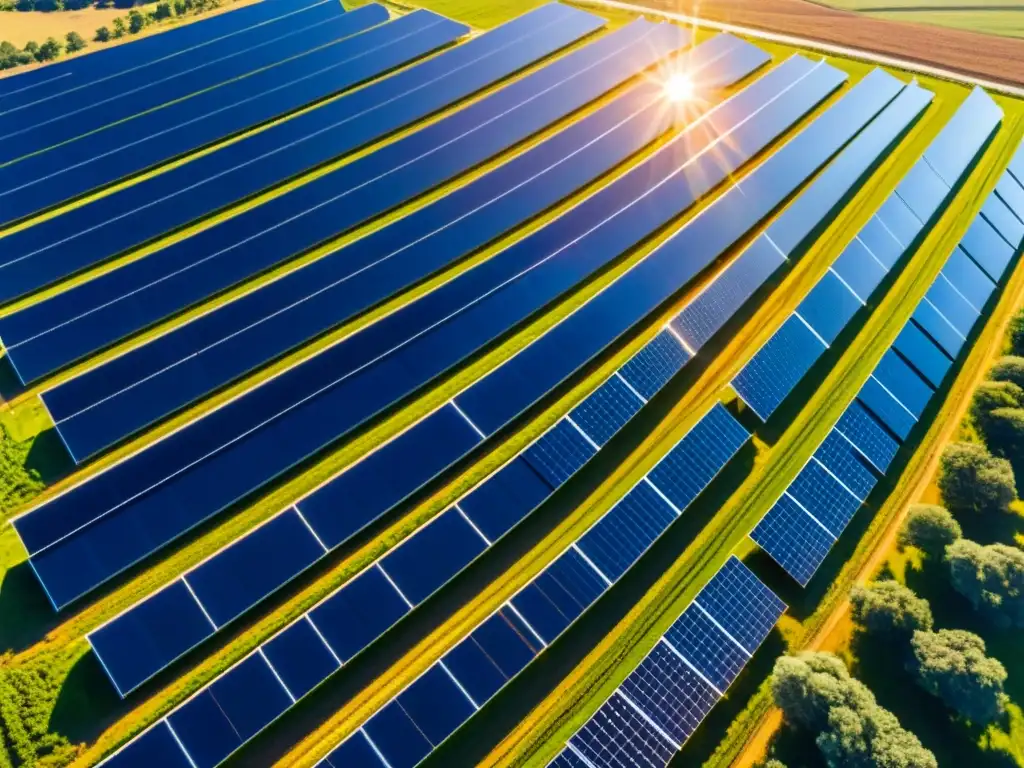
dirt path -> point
(831, 634)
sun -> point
(679, 87)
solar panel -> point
(744, 607)
(890, 411)
(658, 361)
(793, 539)
(1010, 192)
(904, 384)
(898, 219)
(768, 378)
(866, 433)
(712, 653)
(968, 279)
(821, 494)
(882, 243)
(941, 331)
(618, 735)
(559, 453)
(964, 135)
(953, 306)
(607, 409)
(922, 190)
(990, 252)
(999, 215)
(829, 306)
(837, 454)
(922, 353)
(859, 269)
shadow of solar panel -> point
(792, 539)
(999, 215)
(963, 136)
(618, 735)
(706, 647)
(859, 269)
(922, 191)
(883, 404)
(922, 353)
(822, 495)
(931, 321)
(842, 459)
(829, 307)
(968, 279)
(768, 378)
(741, 604)
(862, 429)
(983, 244)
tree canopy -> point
(815, 691)
(991, 395)
(991, 577)
(1015, 333)
(973, 480)
(952, 665)
(889, 608)
(1009, 368)
(930, 528)
(1004, 435)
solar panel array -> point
(659, 705)
(75, 538)
(854, 277)
(135, 646)
(405, 731)
(801, 527)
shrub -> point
(930, 528)
(888, 608)
(75, 42)
(1009, 368)
(103, 35)
(991, 395)
(973, 480)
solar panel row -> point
(185, 40)
(175, 130)
(351, 618)
(74, 114)
(255, 437)
(800, 529)
(659, 705)
(244, 168)
(783, 361)
(159, 377)
(403, 732)
(135, 646)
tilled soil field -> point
(994, 58)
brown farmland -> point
(992, 58)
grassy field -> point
(995, 17)
(65, 697)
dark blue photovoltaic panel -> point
(432, 555)
(669, 693)
(741, 604)
(356, 615)
(824, 497)
(705, 646)
(931, 321)
(507, 642)
(537, 610)
(867, 434)
(829, 306)
(241, 574)
(967, 277)
(778, 365)
(954, 149)
(134, 645)
(885, 406)
(904, 384)
(472, 667)
(435, 704)
(1003, 219)
(859, 269)
(883, 245)
(604, 411)
(571, 584)
(898, 219)
(567, 759)
(719, 301)
(625, 532)
(842, 459)
(300, 658)
(618, 736)
(156, 748)
(922, 353)
(1011, 193)
(922, 190)
(792, 539)
(355, 752)
(687, 469)
(656, 363)
(983, 244)
(204, 730)
(953, 306)
(505, 498)
(397, 738)
(559, 453)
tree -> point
(180, 7)
(32, 49)
(119, 28)
(136, 21)
(815, 691)
(1015, 333)
(1004, 435)
(75, 42)
(102, 35)
(930, 528)
(889, 608)
(50, 50)
(991, 577)
(952, 665)
(991, 395)
(972, 480)
(163, 11)
(1009, 368)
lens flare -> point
(679, 87)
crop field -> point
(176, 306)
(999, 18)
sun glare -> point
(679, 87)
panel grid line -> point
(811, 329)
(579, 429)
(689, 663)
(631, 387)
(199, 603)
(394, 586)
(590, 562)
(725, 632)
(646, 718)
(807, 512)
(305, 522)
(817, 461)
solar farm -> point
(490, 384)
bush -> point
(75, 42)
(1015, 333)
(815, 691)
(119, 28)
(163, 11)
(991, 395)
(991, 577)
(50, 50)
(930, 528)
(973, 480)
(952, 665)
(888, 608)
(103, 35)
(1009, 368)
(1004, 435)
